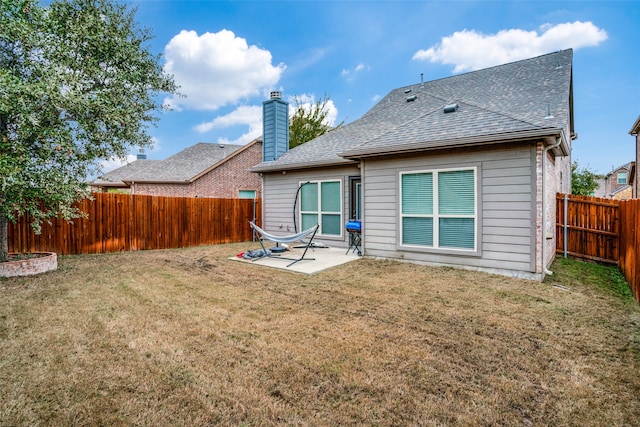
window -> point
(247, 194)
(320, 203)
(438, 209)
(622, 177)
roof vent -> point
(451, 108)
(276, 94)
(407, 90)
(412, 98)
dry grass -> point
(187, 337)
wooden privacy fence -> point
(124, 222)
(588, 227)
(629, 241)
(602, 230)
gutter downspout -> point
(544, 204)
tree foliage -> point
(308, 121)
(584, 182)
(78, 84)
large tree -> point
(78, 84)
(309, 121)
(584, 182)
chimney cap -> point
(276, 94)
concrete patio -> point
(323, 258)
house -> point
(202, 170)
(617, 183)
(633, 178)
(461, 171)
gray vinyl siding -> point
(279, 197)
(506, 208)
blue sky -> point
(228, 56)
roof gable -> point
(623, 168)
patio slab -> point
(324, 258)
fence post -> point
(566, 210)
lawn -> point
(187, 337)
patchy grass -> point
(187, 337)
(590, 275)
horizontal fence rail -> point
(588, 227)
(603, 230)
(125, 222)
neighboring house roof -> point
(116, 177)
(609, 187)
(625, 167)
(620, 190)
(183, 167)
(520, 100)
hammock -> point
(263, 235)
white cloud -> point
(217, 69)
(250, 116)
(469, 50)
(245, 115)
(306, 101)
(354, 72)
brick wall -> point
(225, 181)
(539, 228)
(557, 180)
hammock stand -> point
(263, 235)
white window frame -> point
(625, 175)
(320, 212)
(436, 215)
